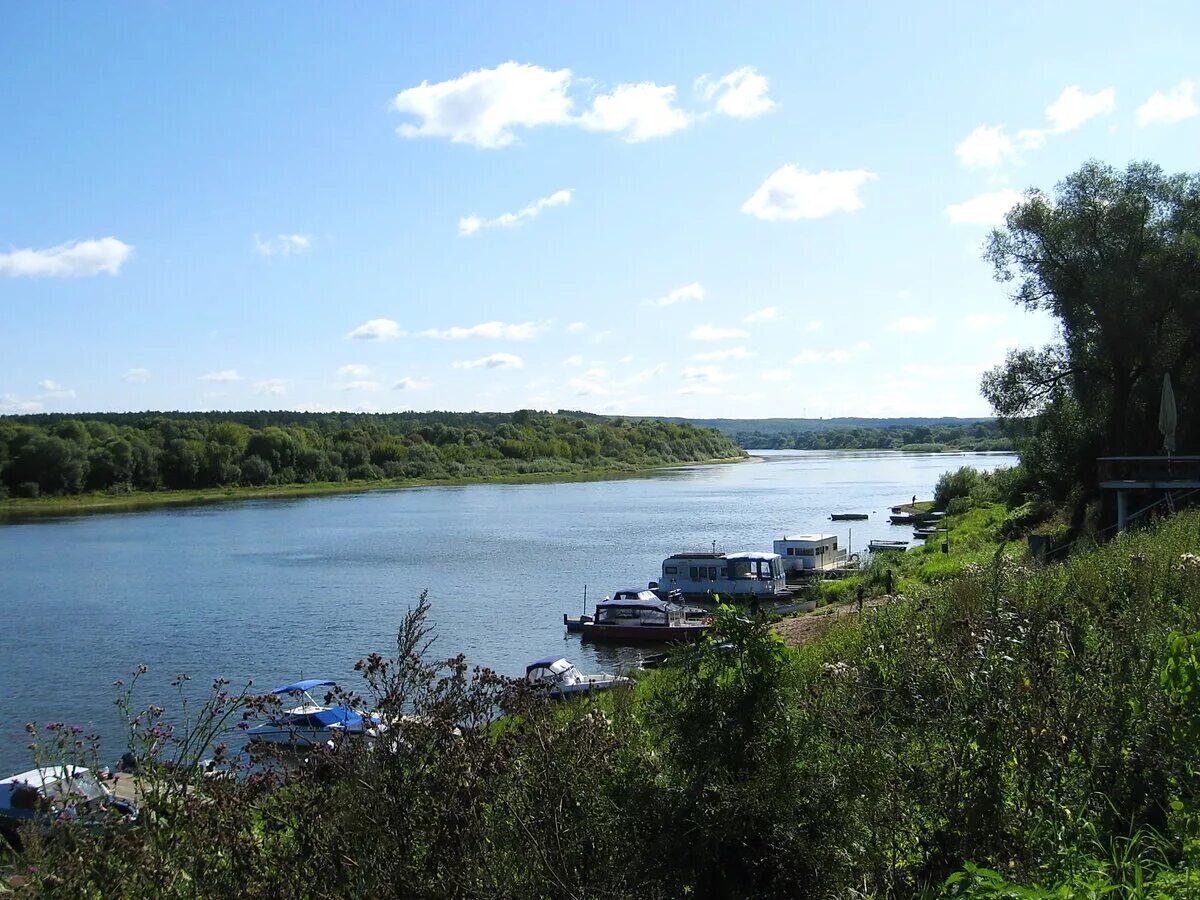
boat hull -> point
(629, 634)
(849, 517)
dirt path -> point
(802, 629)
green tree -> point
(1114, 257)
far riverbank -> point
(19, 509)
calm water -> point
(274, 590)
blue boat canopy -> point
(342, 716)
(306, 685)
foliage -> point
(54, 455)
(1011, 731)
(920, 437)
(1114, 257)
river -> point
(277, 589)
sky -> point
(770, 209)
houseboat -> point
(632, 621)
(748, 575)
(807, 554)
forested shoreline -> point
(126, 453)
(975, 437)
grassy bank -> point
(132, 501)
(1007, 731)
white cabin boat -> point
(42, 795)
(735, 576)
(806, 553)
(310, 723)
(560, 679)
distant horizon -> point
(496, 412)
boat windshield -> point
(631, 615)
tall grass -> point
(1009, 731)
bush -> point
(955, 484)
(255, 470)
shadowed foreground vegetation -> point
(1008, 731)
(135, 455)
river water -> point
(274, 590)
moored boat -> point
(638, 620)
(309, 723)
(743, 576)
(848, 517)
(887, 546)
(40, 796)
(559, 678)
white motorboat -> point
(560, 679)
(310, 723)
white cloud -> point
(637, 111)
(985, 147)
(601, 336)
(1073, 108)
(576, 327)
(225, 375)
(360, 384)
(10, 403)
(792, 193)
(712, 333)
(408, 383)
(720, 355)
(272, 387)
(494, 361)
(501, 331)
(485, 107)
(469, 225)
(981, 322)
(912, 324)
(377, 330)
(693, 291)
(984, 209)
(283, 245)
(52, 389)
(814, 325)
(776, 375)
(831, 356)
(1175, 105)
(741, 94)
(136, 376)
(71, 260)
(354, 370)
(574, 360)
(763, 315)
(707, 374)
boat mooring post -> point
(585, 599)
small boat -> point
(638, 620)
(54, 792)
(309, 723)
(561, 680)
(887, 546)
(848, 517)
(904, 518)
(923, 533)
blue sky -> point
(687, 209)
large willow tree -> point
(1115, 257)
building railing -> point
(1149, 469)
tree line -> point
(1114, 257)
(54, 455)
(985, 435)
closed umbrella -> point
(1167, 417)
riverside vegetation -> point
(1010, 731)
(1001, 729)
(148, 456)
